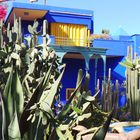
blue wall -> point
(125, 38)
(70, 76)
(73, 65)
(57, 14)
(71, 19)
(115, 47)
(122, 37)
(136, 39)
(26, 23)
(117, 71)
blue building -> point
(71, 31)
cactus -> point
(109, 94)
(28, 73)
(29, 89)
(132, 83)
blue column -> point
(96, 64)
(87, 64)
(104, 63)
(61, 55)
(87, 59)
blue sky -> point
(108, 14)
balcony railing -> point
(65, 41)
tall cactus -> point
(109, 94)
(133, 83)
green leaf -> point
(18, 47)
(13, 92)
(18, 93)
(2, 54)
(127, 63)
(80, 75)
(31, 67)
(33, 118)
(27, 88)
(27, 58)
(47, 77)
(8, 98)
(3, 116)
(85, 106)
(36, 96)
(28, 40)
(7, 68)
(65, 110)
(83, 117)
(15, 56)
(13, 129)
(86, 84)
(60, 134)
(47, 129)
(78, 93)
(44, 119)
(101, 133)
(45, 82)
(30, 29)
(35, 25)
(77, 110)
(68, 135)
(45, 107)
(39, 130)
(63, 127)
(30, 117)
(51, 95)
(87, 97)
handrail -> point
(66, 41)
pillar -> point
(104, 67)
(87, 59)
(61, 55)
(96, 64)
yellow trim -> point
(88, 38)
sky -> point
(108, 14)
